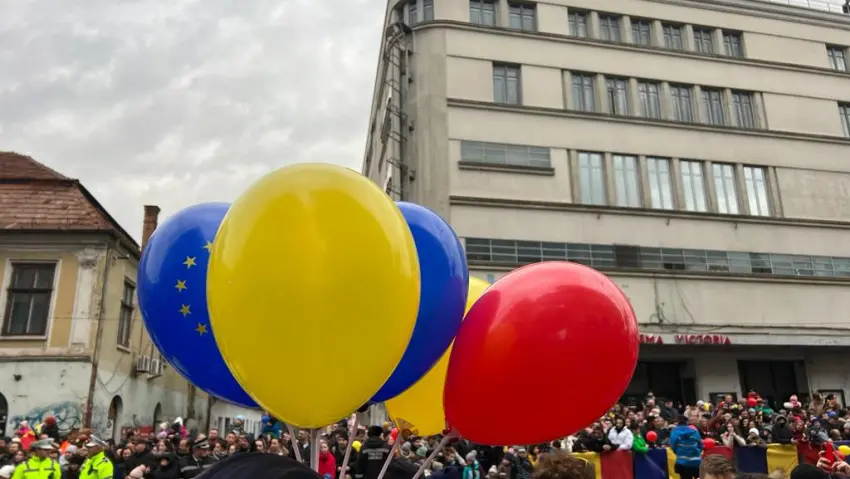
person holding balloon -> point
(687, 445)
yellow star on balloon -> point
(184, 310)
(208, 246)
(201, 329)
(181, 285)
(190, 261)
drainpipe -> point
(87, 418)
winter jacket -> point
(686, 443)
(622, 439)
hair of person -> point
(257, 465)
(755, 476)
(562, 465)
(717, 466)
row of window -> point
(653, 99)
(515, 253)
(643, 32)
(28, 302)
(645, 181)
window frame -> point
(668, 39)
(692, 176)
(475, 152)
(757, 191)
(507, 67)
(844, 118)
(523, 8)
(605, 24)
(657, 181)
(479, 5)
(700, 40)
(623, 167)
(677, 101)
(637, 34)
(125, 318)
(722, 184)
(730, 48)
(16, 266)
(580, 102)
(744, 119)
(573, 23)
(833, 52)
(646, 100)
(711, 98)
(613, 92)
(592, 194)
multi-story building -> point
(698, 152)
(72, 342)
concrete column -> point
(698, 106)
(657, 33)
(688, 40)
(608, 172)
(574, 177)
(676, 184)
(634, 97)
(741, 186)
(643, 175)
(710, 195)
(601, 89)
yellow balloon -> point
(844, 450)
(420, 407)
(309, 266)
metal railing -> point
(833, 6)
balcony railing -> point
(833, 6)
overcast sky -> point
(179, 102)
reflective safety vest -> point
(37, 468)
(97, 467)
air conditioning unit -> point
(143, 364)
(156, 367)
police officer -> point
(39, 466)
(198, 462)
(373, 454)
(97, 465)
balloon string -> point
(315, 434)
(448, 437)
(351, 430)
(389, 458)
(293, 441)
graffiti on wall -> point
(69, 415)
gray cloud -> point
(174, 103)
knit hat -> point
(493, 470)
(422, 451)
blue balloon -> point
(173, 300)
(445, 282)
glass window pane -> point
(660, 189)
(591, 178)
(724, 188)
(693, 184)
(626, 181)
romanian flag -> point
(660, 463)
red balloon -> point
(708, 443)
(652, 436)
(530, 322)
(751, 402)
(693, 427)
(394, 433)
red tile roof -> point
(35, 197)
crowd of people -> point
(172, 452)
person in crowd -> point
(471, 470)
(373, 454)
(716, 466)
(561, 465)
(620, 436)
(40, 465)
(731, 438)
(194, 464)
(97, 464)
(7, 471)
(686, 444)
(327, 461)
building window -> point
(28, 299)
(518, 253)
(660, 190)
(626, 181)
(693, 185)
(609, 28)
(714, 112)
(618, 96)
(673, 37)
(412, 14)
(522, 16)
(837, 59)
(733, 45)
(650, 105)
(591, 178)
(125, 321)
(506, 86)
(844, 114)
(641, 32)
(682, 103)
(482, 12)
(745, 110)
(584, 95)
(427, 10)
(702, 41)
(502, 154)
(756, 181)
(724, 188)
(578, 24)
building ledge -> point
(456, 200)
(6, 357)
(633, 120)
(692, 55)
(527, 170)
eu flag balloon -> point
(173, 300)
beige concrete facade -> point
(696, 151)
